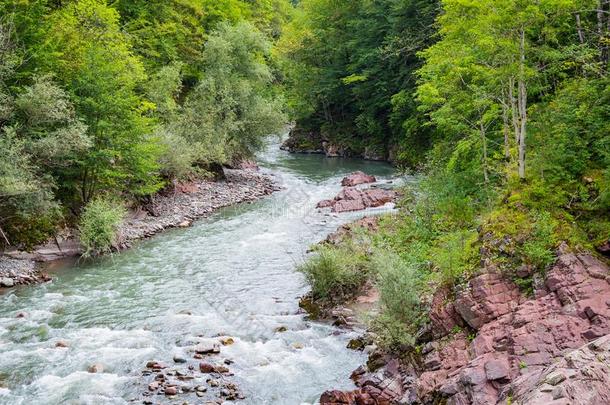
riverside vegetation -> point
(512, 102)
(503, 106)
(103, 104)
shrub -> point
(336, 273)
(99, 226)
(455, 256)
(538, 250)
(401, 285)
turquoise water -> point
(233, 272)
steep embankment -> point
(489, 343)
(190, 201)
(302, 141)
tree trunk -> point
(522, 106)
(484, 141)
(506, 132)
(4, 237)
(581, 35)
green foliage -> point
(348, 59)
(455, 256)
(336, 273)
(117, 98)
(99, 226)
(230, 111)
(401, 284)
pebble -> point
(206, 368)
(221, 369)
(7, 282)
(96, 368)
(227, 341)
(171, 391)
(207, 348)
(179, 359)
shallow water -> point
(235, 272)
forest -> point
(106, 103)
(501, 107)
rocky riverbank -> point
(489, 343)
(302, 141)
(170, 209)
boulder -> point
(7, 282)
(206, 367)
(357, 178)
(518, 344)
(96, 368)
(354, 199)
(209, 347)
(580, 377)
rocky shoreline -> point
(489, 343)
(312, 142)
(175, 209)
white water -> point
(235, 272)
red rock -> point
(517, 342)
(354, 199)
(156, 365)
(246, 165)
(206, 368)
(357, 178)
(497, 368)
(61, 343)
(487, 297)
(348, 205)
(443, 316)
(325, 204)
(171, 390)
(580, 377)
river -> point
(231, 274)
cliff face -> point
(488, 344)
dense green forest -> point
(503, 105)
(107, 102)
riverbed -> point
(232, 274)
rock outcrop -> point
(490, 344)
(581, 377)
(352, 198)
(357, 178)
(347, 230)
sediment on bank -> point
(170, 209)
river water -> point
(233, 272)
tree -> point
(228, 114)
(93, 59)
